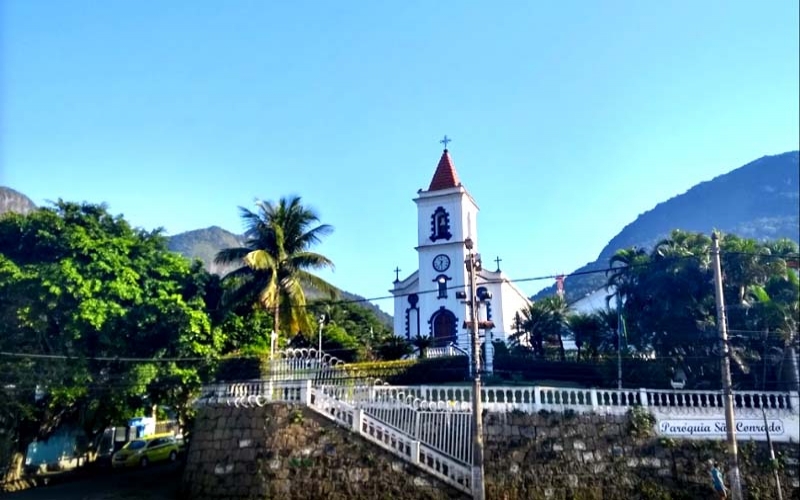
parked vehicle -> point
(141, 452)
(114, 439)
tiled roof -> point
(445, 176)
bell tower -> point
(446, 216)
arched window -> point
(440, 225)
(441, 286)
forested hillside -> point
(760, 200)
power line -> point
(433, 290)
(606, 270)
(97, 358)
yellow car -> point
(146, 450)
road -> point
(159, 482)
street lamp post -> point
(321, 325)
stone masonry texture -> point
(289, 452)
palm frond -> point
(314, 236)
(231, 255)
(239, 273)
(245, 290)
(311, 260)
(260, 260)
(318, 284)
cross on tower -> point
(445, 141)
(498, 260)
(397, 274)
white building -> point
(594, 301)
(425, 302)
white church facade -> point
(425, 302)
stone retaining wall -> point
(568, 456)
(290, 452)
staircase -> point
(436, 437)
(408, 432)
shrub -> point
(239, 367)
(641, 422)
(531, 369)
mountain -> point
(760, 200)
(204, 244)
(14, 201)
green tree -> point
(626, 267)
(83, 298)
(275, 260)
(360, 323)
(544, 321)
(670, 310)
(595, 334)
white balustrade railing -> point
(507, 398)
(430, 426)
(446, 351)
(441, 425)
(391, 439)
(252, 393)
(532, 399)
(529, 399)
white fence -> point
(444, 426)
(447, 351)
(253, 393)
(304, 364)
(430, 426)
(393, 439)
(532, 399)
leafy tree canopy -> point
(80, 292)
(670, 311)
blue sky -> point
(568, 118)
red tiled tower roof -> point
(445, 176)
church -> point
(425, 302)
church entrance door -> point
(443, 325)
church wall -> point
(469, 221)
(460, 210)
(460, 207)
(429, 304)
(399, 316)
(513, 303)
(506, 302)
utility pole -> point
(772, 456)
(478, 487)
(722, 326)
(619, 341)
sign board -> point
(717, 427)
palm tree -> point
(626, 265)
(584, 328)
(777, 308)
(595, 333)
(275, 261)
(746, 262)
(545, 321)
